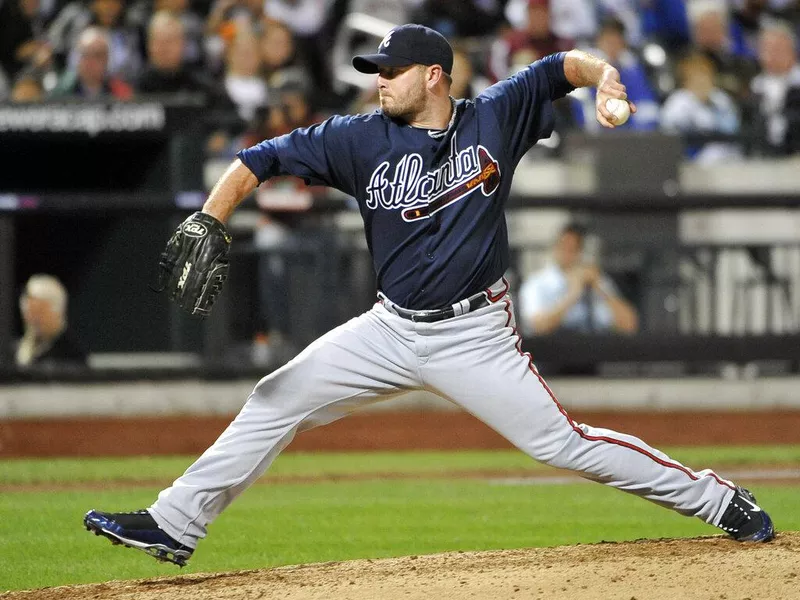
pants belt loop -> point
(388, 304)
(461, 308)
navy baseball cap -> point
(408, 45)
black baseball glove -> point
(194, 265)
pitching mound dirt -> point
(702, 568)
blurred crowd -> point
(724, 73)
(712, 68)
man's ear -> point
(433, 76)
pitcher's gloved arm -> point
(233, 187)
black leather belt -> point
(431, 316)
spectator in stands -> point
(5, 87)
(124, 57)
(666, 22)
(698, 107)
(579, 19)
(572, 294)
(140, 13)
(786, 10)
(21, 42)
(27, 88)
(571, 19)
(313, 24)
(289, 109)
(366, 102)
(747, 18)
(277, 231)
(538, 35)
(294, 99)
(226, 19)
(627, 12)
(612, 45)
(305, 18)
(711, 35)
(47, 340)
(462, 75)
(459, 18)
(90, 78)
(777, 89)
(243, 81)
(166, 72)
(391, 11)
(272, 238)
(280, 58)
(534, 41)
(277, 46)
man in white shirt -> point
(572, 295)
(777, 87)
(698, 106)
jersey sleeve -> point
(522, 104)
(318, 154)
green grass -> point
(63, 470)
(42, 542)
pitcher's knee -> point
(554, 448)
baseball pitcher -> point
(431, 175)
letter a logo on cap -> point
(386, 40)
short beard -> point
(409, 106)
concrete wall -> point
(194, 397)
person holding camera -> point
(573, 295)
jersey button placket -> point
(433, 228)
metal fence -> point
(702, 289)
(744, 298)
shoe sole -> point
(158, 551)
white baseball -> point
(620, 109)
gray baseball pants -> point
(473, 360)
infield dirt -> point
(700, 568)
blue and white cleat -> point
(138, 530)
(744, 520)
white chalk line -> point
(734, 475)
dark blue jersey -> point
(432, 204)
